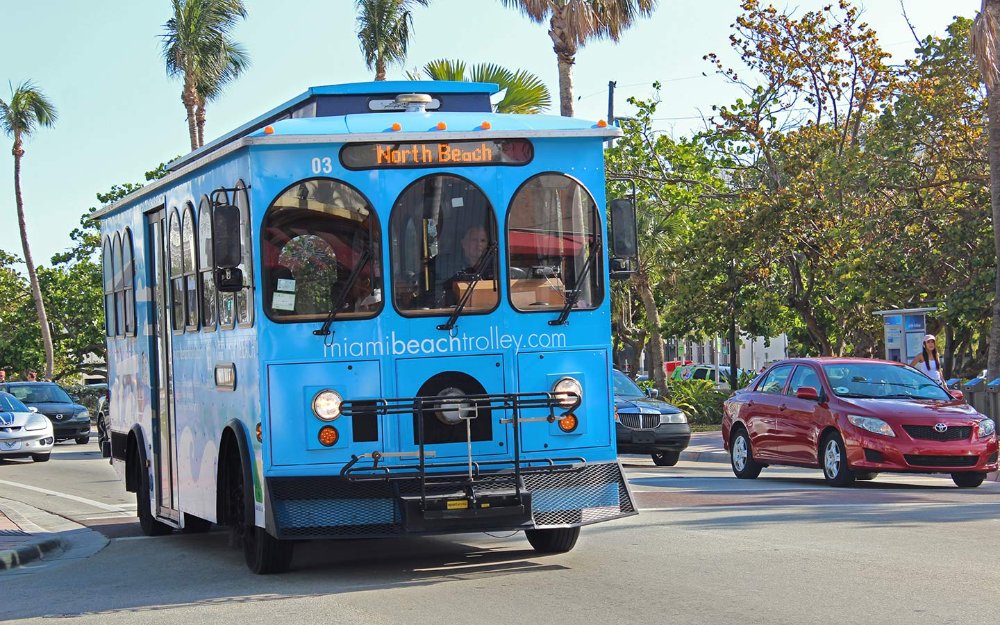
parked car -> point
(855, 418)
(69, 418)
(23, 432)
(717, 374)
(648, 425)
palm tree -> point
(985, 43)
(574, 22)
(523, 91)
(28, 108)
(197, 46)
(384, 31)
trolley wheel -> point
(150, 526)
(558, 540)
(264, 554)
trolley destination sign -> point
(436, 154)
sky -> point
(100, 63)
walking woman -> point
(928, 361)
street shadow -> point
(195, 570)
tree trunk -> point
(993, 360)
(36, 290)
(565, 49)
(379, 68)
(200, 118)
(190, 99)
(656, 370)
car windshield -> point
(624, 387)
(40, 394)
(9, 403)
(881, 381)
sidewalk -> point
(705, 447)
(21, 541)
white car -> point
(23, 431)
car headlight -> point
(37, 422)
(987, 428)
(568, 392)
(673, 417)
(876, 426)
(83, 415)
(326, 405)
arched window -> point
(319, 237)
(116, 247)
(109, 287)
(244, 298)
(206, 275)
(128, 282)
(554, 245)
(176, 272)
(189, 253)
(443, 234)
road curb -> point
(705, 456)
(32, 550)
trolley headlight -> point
(568, 392)
(326, 405)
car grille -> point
(928, 433)
(635, 421)
(942, 461)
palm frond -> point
(27, 109)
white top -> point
(931, 370)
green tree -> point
(27, 109)
(384, 30)
(572, 23)
(197, 46)
(524, 92)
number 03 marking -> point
(322, 165)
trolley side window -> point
(176, 273)
(128, 282)
(553, 234)
(116, 261)
(443, 230)
(109, 288)
(189, 244)
(244, 298)
(321, 244)
(206, 276)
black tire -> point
(195, 525)
(867, 476)
(559, 540)
(264, 554)
(82, 440)
(666, 458)
(102, 432)
(968, 479)
(833, 459)
(741, 456)
(150, 526)
(40, 457)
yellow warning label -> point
(458, 504)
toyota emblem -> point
(940, 427)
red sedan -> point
(856, 418)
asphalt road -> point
(706, 548)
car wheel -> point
(150, 526)
(968, 479)
(83, 440)
(40, 457)
(834, 457)
(741, 457)
(666, 458)
(866, 476)
(102, 430)
(558, 540)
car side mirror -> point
(807, 392)
(624, 239)
(75, 398)
(652, 393)
(32, 409)
(957, 394)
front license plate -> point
(10, 445)
(643, 438)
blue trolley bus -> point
(378, 309)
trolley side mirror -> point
(624, 239)
(226, 248)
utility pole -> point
(611, 108)
(732, 325)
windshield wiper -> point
(342, 296)
(574, 295)
(477, 275)
(857, 395)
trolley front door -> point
(164, 450)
